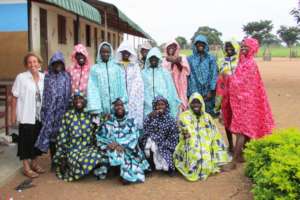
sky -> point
(164, 20)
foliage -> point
(182, 42)
(260, 30)
(296, 13)
(212, 34)
(289, 35)
(273, 164)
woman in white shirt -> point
(27, 93)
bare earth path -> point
(282, 80)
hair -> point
(29, 54)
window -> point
(108, 38)
(88, 35)
(75, 32)
(61, 29)
(102, 36)
(114, 41)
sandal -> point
(38, 169)
(30, 174)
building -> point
(45, 26)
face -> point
(80, 58)
(119, 109)
(200, 47)
(58, 66)
(196, 106)
(33, 64)
(153, 61)
(105, 53)
(125, 55)
(160, 106)
(171, 49)
(244, 49)
(79, 102)
(144, 52)
(229, 50)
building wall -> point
(67, 48)
(13, 37)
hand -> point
(112, 145)
(185, 134)
(209, 95)
(154, 113)
(178, 59)
(13, 119)
(171, 59)
(119, 149)
(106, 116)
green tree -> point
(182, 42)
(212, 34)
(260, 30)
(289, 35)
(296, 13)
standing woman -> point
(204, 73)
(106, 83)
(56, 98)
(80, 69)
(27, 93)
(127, 59)
(144, 50)
(227, 68)
(158, 82)
(180, 70)
(251, 113)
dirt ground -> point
(282, 80)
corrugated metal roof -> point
(79, 7)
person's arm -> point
(93, 93)
(14, 110)
(16, 88)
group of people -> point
(134, 113)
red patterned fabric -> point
(251, 112)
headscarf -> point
(57, 56)
(200, 38)
(161, 98)
(156, 53)
(79, 48)
(253, 46)
(111, 57)
(176, 54)
(197, 96)
(126, 46)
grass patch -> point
(275, 51)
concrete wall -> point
(12, 50)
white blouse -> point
(24, 89)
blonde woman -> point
(27, 93)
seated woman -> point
(76, 154)
(118, 143)
(201, 150)
(160, 136)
